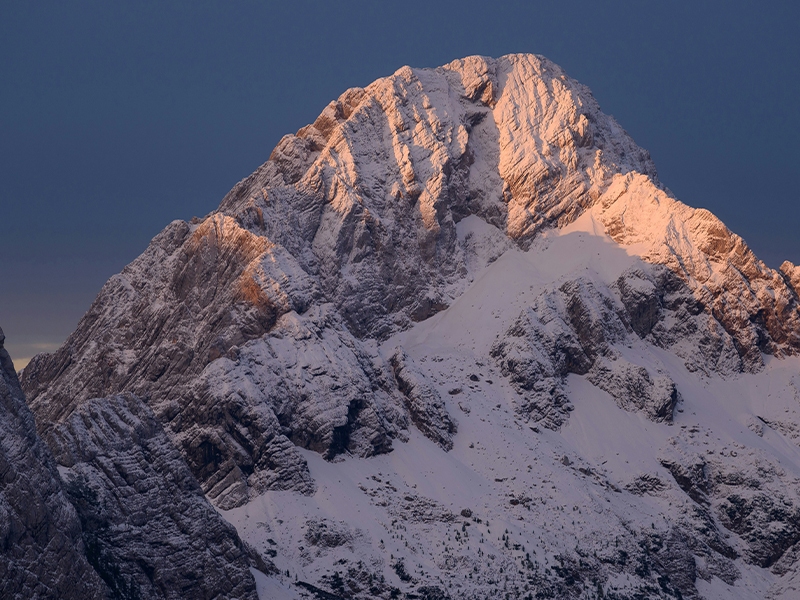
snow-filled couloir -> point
(455, 339)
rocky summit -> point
(454, 339)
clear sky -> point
(118, 117)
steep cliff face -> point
(436, 248)
(42, 554)
(147, 528)
(124, 518)
(373, 189)
(756, 305)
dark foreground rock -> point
(42, 554)
(148, 530)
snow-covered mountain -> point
(452, 340)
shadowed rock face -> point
(748, 492)
(424, 403)
(148, 530)
(579, 327)
(42, 554)
(128, 521)
(196, 293)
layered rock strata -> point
(42, 554)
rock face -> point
(148, 530)
(367, 280)
(754, 303)
(580, 327)
(747, 491)
(425, 405)
(41, 551)
(128, 520)
(359, 211)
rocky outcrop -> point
(42, 554)
(308, 384)
(754, 303)
(661, 309)
(147, 528)
(672, 558)
(128, 521)
(325, 534)
(577, 327)
(536, 360)
(635, 389)
(792, 274)
(423, 402)
(748, 492)
(198, 291)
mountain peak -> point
(477, 240)
(527, 146)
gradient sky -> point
(116, 118)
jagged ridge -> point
(258, 330)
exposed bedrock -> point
(42, 554)
(424, 404)
(148, 530)
(582, 327)
(124, 518)
(746, 491)
(756, 306)
(308, 384)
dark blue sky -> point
(117, 118)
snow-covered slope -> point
(455, 338)
(704, 503)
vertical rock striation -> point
(148, 530)
(42, 554)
